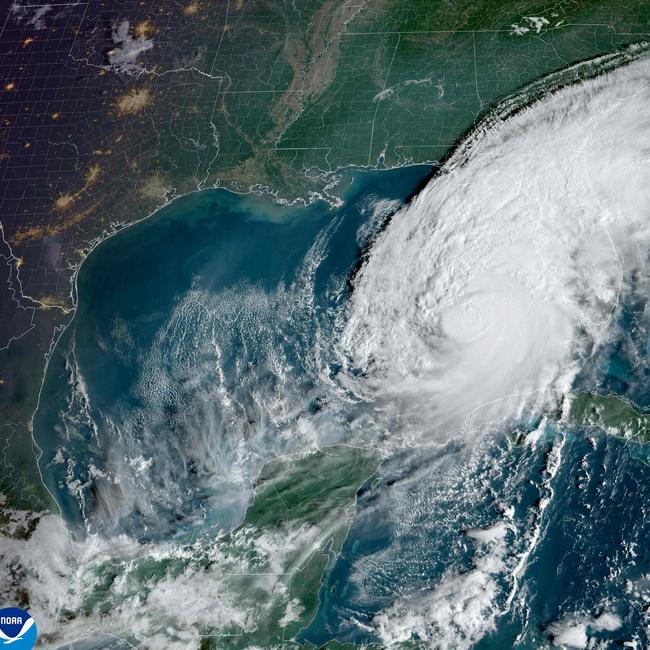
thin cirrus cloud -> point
(483, 298)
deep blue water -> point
(215, 306)
(214, 279)
(581, 564)
(591, 556)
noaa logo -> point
(17, 628)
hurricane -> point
(482, 299)
(449, 321)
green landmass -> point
(315, 491)
(265, 96)
(613, 414)
(269, 570)
(273, 97)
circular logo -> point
(17, 629)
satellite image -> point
(325, 324)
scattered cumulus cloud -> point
(32, 16)
(482, 298)
(128, 48)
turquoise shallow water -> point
(204, 315)
(203, 346)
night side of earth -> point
(325, 324)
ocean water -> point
(583, 554)
(577, 576)
(196, 354)
(228, 331)
(177, 318)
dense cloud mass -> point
(482, 298)
(485, 297)
(478, 305)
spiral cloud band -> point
(481, 299)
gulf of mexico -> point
(127, 372)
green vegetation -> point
(410, 80)
(308, 489)
(268, 570)
(314, 495)
(258, 95)
(611, 413)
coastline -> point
(457, 153)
